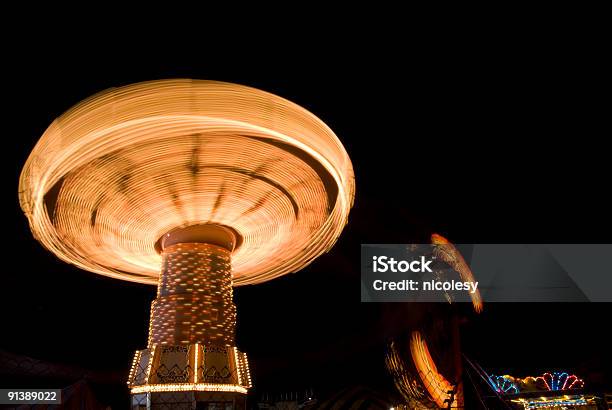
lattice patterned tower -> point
(194, 186)
(191, 356)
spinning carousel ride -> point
(196, 187)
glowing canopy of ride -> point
(113, 174)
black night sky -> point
(481, 143)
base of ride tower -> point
(191, 361)
(189, 377)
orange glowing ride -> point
(436, 384)
(119, 170)
(447, 252)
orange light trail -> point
(404, 380)
(113, 174)
(435, 383)
(449, 254)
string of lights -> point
(155, 388)
(555, 381)
(504, 384)
(555, 403)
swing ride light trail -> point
(195, 186)
(435, 383)
(446, 251)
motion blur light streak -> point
(406, 382)
(113, 174)
(448, 253)
(435, 383)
